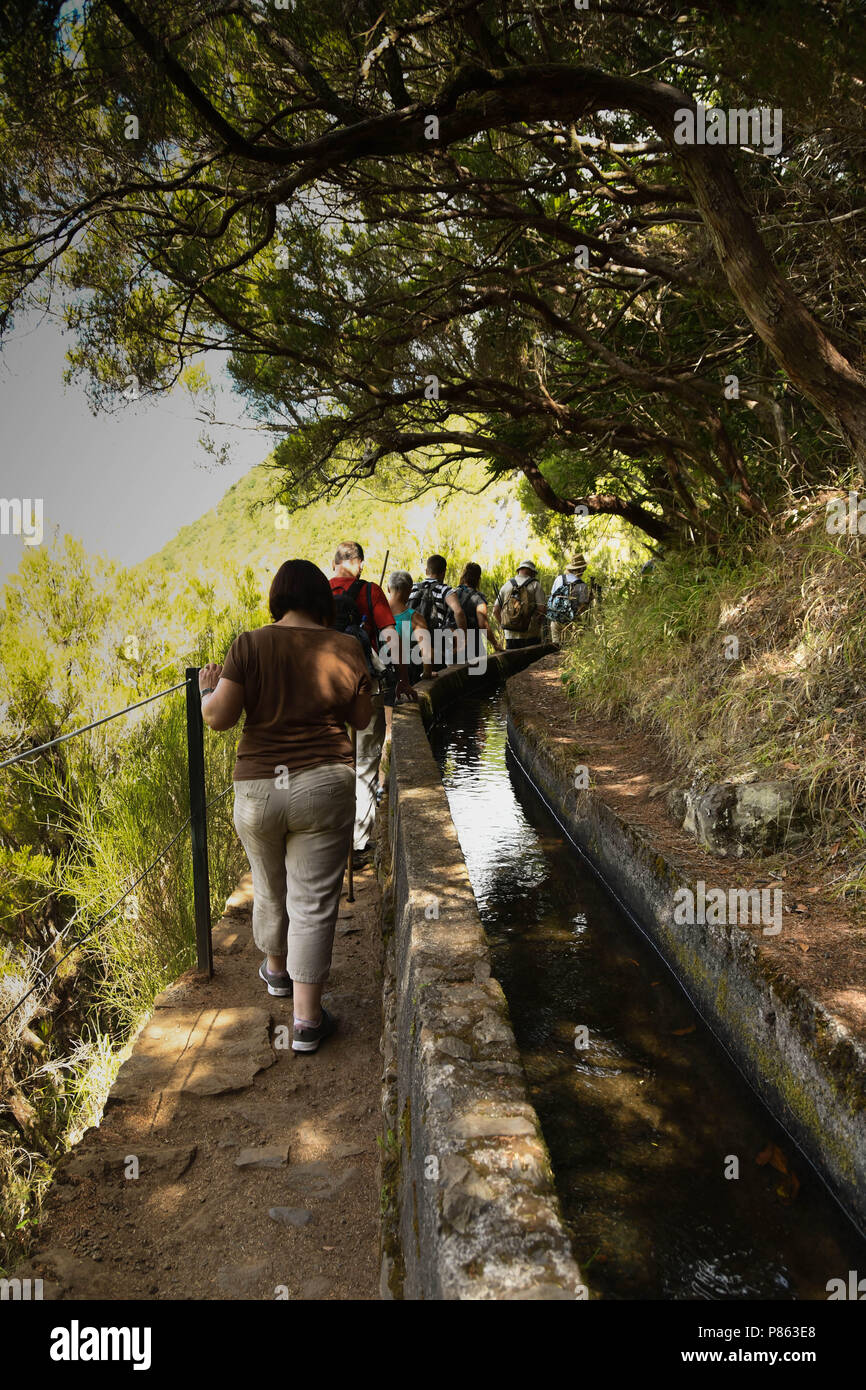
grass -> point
(124, 793)
(786, 700)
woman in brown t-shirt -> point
(299, 683)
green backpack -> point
(518, 610)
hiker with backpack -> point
(408, 658)
(570, 597)
(412, 643)
(299, 684)
(474, 605)
(520, 607)
(362, 611)
(440, 607)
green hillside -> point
(247, 529)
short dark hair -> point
(437, 565)
(300, 586)
(348, 550)
(471, 575)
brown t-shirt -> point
(301, 687)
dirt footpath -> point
(226, 1165)
(821, 948)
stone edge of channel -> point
(471, 1211)
(803, 1062)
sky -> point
(122, 482)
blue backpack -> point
(569, 601)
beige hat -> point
(527, 565)
(577, 561)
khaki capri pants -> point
(297, 839)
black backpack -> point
(469, 601)
(432, 607)
(348, 618)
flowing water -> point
(645, 1121)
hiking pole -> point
(384, 567)
(350, 872)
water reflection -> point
(643, 1120)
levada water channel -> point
(642, 1121)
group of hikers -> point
(337, 655)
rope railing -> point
(196, 821)
(61, 738)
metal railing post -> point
(198, 823)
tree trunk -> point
(599, 504)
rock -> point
(315, 1288)
(74, 1275)
(274, 1115)
(736, 818)
(241, 899)
(441, 1101)
(310, 1174)
(168, 1161)
(347, 1150)
(229, 942)
(203, 1222)
(544, 1293)
(466, 1192)
(319, 1181)
(63, 1194)
(240, 1279)
(480, 1125)
(268, 1156)
(198, 1051)
(491, 1029)
(291, 1216)
(676, 804)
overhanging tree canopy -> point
(395, 220)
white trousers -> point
(368, 754)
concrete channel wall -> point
(804, 1064)
(470, 1209)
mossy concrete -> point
(806, 1066)
(474, 1213)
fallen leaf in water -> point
(790, 1184)
(773, 1154)
(628, 961)
(788, 1189)
(680, 1032)
(655, 982)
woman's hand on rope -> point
(209, 675)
